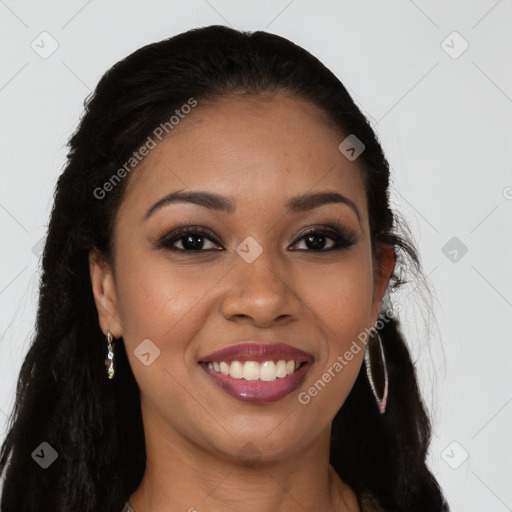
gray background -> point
(442, 114)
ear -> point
(104, 292)
(383, 270)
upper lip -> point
(250, 351)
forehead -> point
(255, 150)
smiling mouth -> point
(257, 382)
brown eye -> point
(317, 239)
(191, 239)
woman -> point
(214, 329)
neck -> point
(182, 476)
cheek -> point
(340, 296)
(163, 303)
(341, 301)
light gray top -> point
(127, 507)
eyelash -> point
(343, 239)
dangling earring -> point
(109, 360)
(377, 372)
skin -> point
(258, 152)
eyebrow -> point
(212, 201)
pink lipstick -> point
(257, 373)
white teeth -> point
(252, 370)
(268, 371)
(236, 370)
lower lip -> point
(258, 391)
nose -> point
(261, 293)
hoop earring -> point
(109, 360)
(377, 372)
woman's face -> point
(254, 276)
